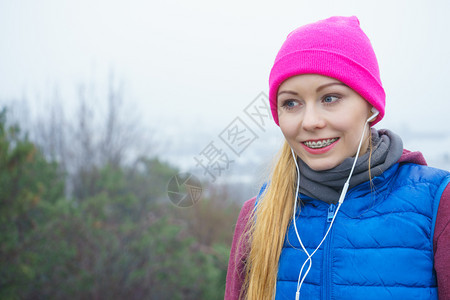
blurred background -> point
(103, 102)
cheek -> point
(351, 129)
(349, 123)
(288, 126)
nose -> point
(313, 118)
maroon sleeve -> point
(235, 273)
(441, 245)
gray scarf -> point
(327, 185)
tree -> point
(100, 132)
(29, 185)
(113, 233)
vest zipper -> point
(327, 255)
(331, 211)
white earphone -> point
(340, 201)
(375, 114)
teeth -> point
(320, 144)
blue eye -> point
(289, 104)
(330, 99)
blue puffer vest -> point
(381, 243)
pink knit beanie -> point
(335, 47)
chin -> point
(321, 165)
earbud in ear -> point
(375, 114)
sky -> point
(189, 68)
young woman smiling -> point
(347, 212)
(321, 119)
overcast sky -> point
(193, 66)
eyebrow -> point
(317, 90)
(329, 84)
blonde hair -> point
(265, 232)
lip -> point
(319, 150)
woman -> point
(347, 212)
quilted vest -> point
(380, 245)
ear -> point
(375, 113)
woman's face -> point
(322, 119)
